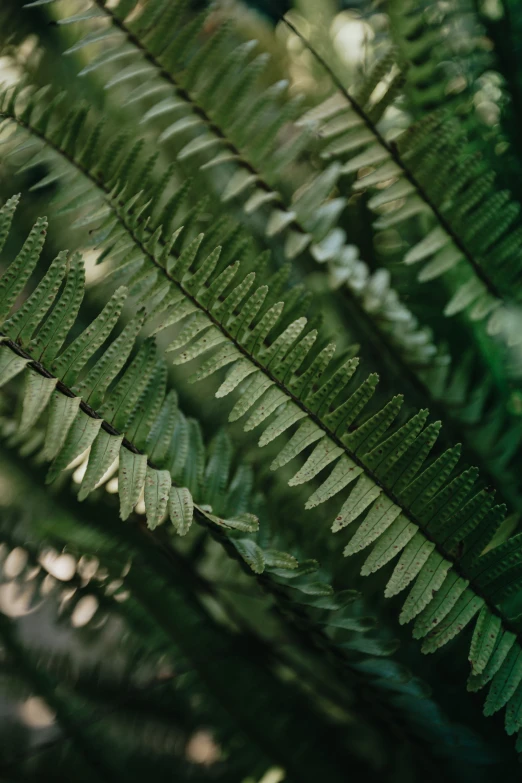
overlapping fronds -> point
(139, 423)
(200, 100)
(134, 404)
(445, 49)
(204, 88)
(336, 624)
(420, 510)
(252, 164)
(106, 192)
(475, 236)
(104, 398)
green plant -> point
(218, 230)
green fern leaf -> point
(465, 608)
(147, 408)
(104, 451)
(505, 681)
(361, 496)
(442, 603)
(6, 218)
(93, 386)
(410, 563)
(80, 436)
(487, 629)
(37, 394)
(428, 582)
(181, 509)
(10, 364)
(251, 553)
(131, 479)
(74, 358)
(381, 515)
(157, 490)
(307, 433)
(514, 712)
(343, 474)
(160, 437)
(50, 338)
(22, 324)
(323, 454)
(239, 371)
(368, 435)
(14, 279)
(62, 412)
(503, 645)
(120, 404)
(395, 538)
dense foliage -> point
(236, 187)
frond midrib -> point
(276, 381)
(197, 108)
(412, 378)
(320, 640)
(379, 336)
(392, 150)
(311, 415)
(390, 147)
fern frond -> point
(442, 68)
(433, 380)
(297, 590)
(477, 239)
(329, 410)
(315, 213)
(391, 467)
(249, 155)
(137, 404)
(336, 624)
